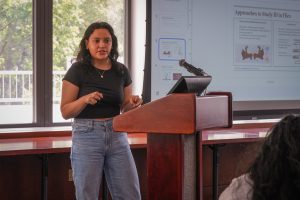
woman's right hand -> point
(70, 105)
(93, 98)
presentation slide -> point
(250, 47)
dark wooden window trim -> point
(42, 63)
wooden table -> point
(46, 141)
(215, 139)
(53, 144)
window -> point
(16, 71)
(37, 41)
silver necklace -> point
(100, 72)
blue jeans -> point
(96, 148)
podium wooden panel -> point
(173, 124)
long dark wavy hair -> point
(276, 171)
(84, 54)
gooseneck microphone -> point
(192, 69)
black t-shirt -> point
(88, 79)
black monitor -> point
(191, 84)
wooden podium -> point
(173, 124)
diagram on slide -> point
(252, 54)
(252, 42)
(266, 37)
(171, 48)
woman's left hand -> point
(135, 101)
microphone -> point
(192, 69)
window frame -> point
(43, 65)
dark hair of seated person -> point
(276, 170)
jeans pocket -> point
(81, 128)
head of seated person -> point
(276, 171)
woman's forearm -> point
(73, 109)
